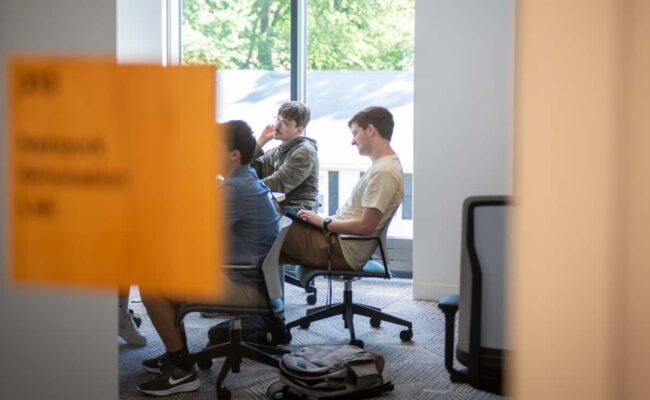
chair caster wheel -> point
(357, 342)
(375, 322)
(406, 335)
(204, 364)
(311, 299)
(223, 394)
(305, 325)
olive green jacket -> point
(292, 170)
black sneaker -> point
(157, 365)
(174, 380)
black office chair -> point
(348, 308)
(482, 347)
(268, 301)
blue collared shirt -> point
(252, 217)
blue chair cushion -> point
(373, 267)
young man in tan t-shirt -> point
(374, 200)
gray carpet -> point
(416, 368)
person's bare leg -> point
(163, 316)
(179, 376)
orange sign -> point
(112, 175)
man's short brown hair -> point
(295, 111)
(379, 117)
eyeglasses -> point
(283, 122)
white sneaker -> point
(129, 332)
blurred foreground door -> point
(582, 253)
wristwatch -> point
(326, 222)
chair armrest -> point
(356, 237)
(449, 304)
(449, 307)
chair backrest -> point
(383, 234)
(482, 316)
(273, 275)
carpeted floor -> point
(416, 368)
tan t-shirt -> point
(381, 187)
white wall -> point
(464, 74)
(140, 31)
(54, 343)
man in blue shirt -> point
(251, 214)
(253, 226)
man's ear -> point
(371, 130)
(235, 155)
(300, 130)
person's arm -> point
(363, 226)
(296, 167)
(258, 163)
(265, 136)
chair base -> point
(347, 309)
(234, 351)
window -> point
(339, 56)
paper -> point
(112, 176)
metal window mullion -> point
(173, 13)
(299, 50)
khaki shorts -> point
(308, 246)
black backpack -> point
(259, 329)
(330, 372)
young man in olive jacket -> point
(292, 167)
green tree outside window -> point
(367, 35)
